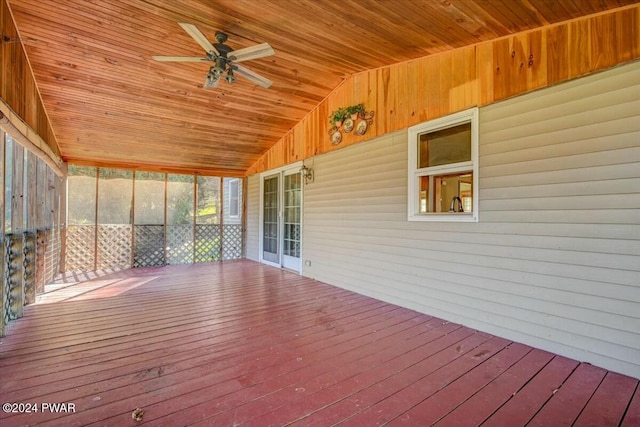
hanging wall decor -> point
(348, 119)
(364, 122)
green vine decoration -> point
(356, 109)
(338, 116)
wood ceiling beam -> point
(22, 133)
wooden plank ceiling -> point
(109, 103)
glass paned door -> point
(270, 218)
(282, 219)
(292, 216)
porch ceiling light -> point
(307, 174)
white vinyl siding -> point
(554, 261)
(253, 217)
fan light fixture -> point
(212, 79)
(230, 78)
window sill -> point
(448, 217)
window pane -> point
(424, 195)
(82, 195)
(8, 183)
(25, 190)
(179, 199)
(149, 205)
(292, 215)
(233, 201)
(270, 216)
(446, 193)
(44, 196)
(445, 146)
(208, 209)
(17, 189)
(114, 196)
(233, 198)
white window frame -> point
(414, 173)
(230, 199)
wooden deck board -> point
(569, 401)
(318, 360)
(334, 392)
(290, 396)
(239, 343)
(632, 416)
(139, 346)
(523, 406)
(444, 400)
(226, 332)
(609, 403)
(464, 340)
(190, 355)
(403, 399)
(482, 404)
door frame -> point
(281, 171)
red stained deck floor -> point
(241, 343)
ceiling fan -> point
(225, 59)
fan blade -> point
(194, 32)
(252, 52)
(180, 59)
(252, 76)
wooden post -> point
(31, 213)
(133, 219)
(195, 218)
(243, 231)
(95, 222)
(221, 218)
(164, 247)
(60, 208)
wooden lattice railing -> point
(125, 246)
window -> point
(443, 169)
(234, 198)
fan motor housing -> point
(223, 49)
